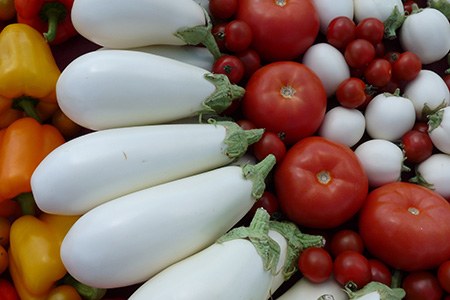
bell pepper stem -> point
(26, 203)
(28, 105)
(85, 291)
(53, 13)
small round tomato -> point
(378, 73)
(268, 201)
(346, 239)
(443, 275)
(4, 261)
(407, 66)
(447, 80)
(231, 66)
(380, 272)
(270, 143)
(315, 175)
(251, 60)
(238, 36)
(422, 285)
(417, 146)
(341, 31)
(218, 32)
(5, 227)
(315, 264)
(352, 266)
(286, 98)
(7, 10)
(370, 29)
(359, 53)
(351, 93)
(398, 226)
(7, 290)
(222, 9)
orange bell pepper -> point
(23, 145)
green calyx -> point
(428, 112)
(238, 139)
(28, 105)
(258, 173)
(86, 292)
(442, 5)
(258, 234)
(385, 292)
(435, 119)
(418, 179)
(200, 34)
(223, 96)
(53, 13)
(393, 22)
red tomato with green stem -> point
(407, 66)
(406, 226)
(351, 92)
(417, 145)
(320, 183)
(286, 98)
(315, 264)
(281, 30)
(231, 66)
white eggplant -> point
(99, 166)
(380, 9)
(131, 238)
(240, 266)
(122, 24)
(376, 291)
(330, 9)
(305, 289)
(118, 88)
(439, 129)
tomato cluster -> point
(316, 183)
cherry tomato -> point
(359, 53)
(282, 30)
(370, 29)
(313, 177)
(7, 10)
(251, 60)
(245, 124)
(341, 31)
(268, 201)
(378, 73)
(398, 226)
(351, 92)
(421, 285)
(408, 6)
(407, 66)
(447, 80)
(286, 98)
(64, 292)
(380, 272)
(218, 32)
(7, 290)
(5, 227)
(270, 143)
(223, 9)
(352, 266)
(443, 275)
(4, 261)
(346, 239)
(315, 264)
(417, 145)
(231, 66)
(238, 36)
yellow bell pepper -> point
(35, 263)
(28, 74)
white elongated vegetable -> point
(193, 55)
(389, 116)
(131, 238)
(330, 9)
(119, 24)
(434, 173)
(99, 166)
(118, 88)
(428, 92)
(439, 129)
(240, 266)
(382, 160)
(426, 32)
(380, 9)
(343, 125)
(323, 57)
(376, 291)
(305, 289)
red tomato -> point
(282, 30)
(315, 264)
(7, 290)
(407, 66)
(268, 201)
(443, 275)
(351, 92)
(380, 272)
(231, 66)
(346, 239)
(218, 32)
(341, 31)
(406, 226)
(421, 285)
(270, 143)
(352, 266)
(238, 36)
(378, 73)
(447, 80)
(286, 98)
(222, 9)
(251, 60)
(359, 53)
(370, 29)
(320, 183)
(417, 145)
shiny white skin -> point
(330, 9)
(329, 64)
(193, 55)
(427, 34)
(129, 239)
(371, 296)
(440, 136)
(380, 9)
(99, 166)
(305, 289)
(382, 161)
(343, 125)
(124, 24)
(118, 88)
(389, 117)
(436, 171)
(427, 88)
(231, 270)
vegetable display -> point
(224, 149)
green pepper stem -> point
(53, 13)
(26, 203)
(85, 291)
(28, 105)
